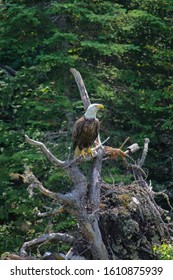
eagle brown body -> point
(85, 132)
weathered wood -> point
(144, 153)
(46, 152)
(91, 231)
(33, 182)
(46, 238)
(95, 183)
(81, 86)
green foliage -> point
(164, 251)
(124, 53)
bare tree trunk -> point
(85, 207)
(125, 211)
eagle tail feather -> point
(77, 152)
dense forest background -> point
(123, 50)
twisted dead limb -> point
(138, 172)
(54, 212)
(144, 153)
(47, 153)
(136, 168)
(73, 202)
(46, 238)
(81, 86)
(33, 182)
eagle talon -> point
(83, 154)
(90, 152)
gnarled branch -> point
(144, 153)
(47, 153)
(81, 86)
(46, 238)
(33, 182)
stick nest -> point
(131, 222)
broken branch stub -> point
(81, 86)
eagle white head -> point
(92, 110)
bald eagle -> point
(85, 131)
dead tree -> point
(115, 222)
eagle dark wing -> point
(77, 130)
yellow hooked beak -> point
(100, 106)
